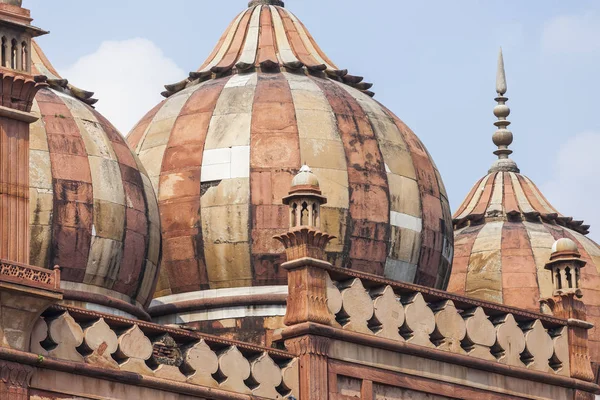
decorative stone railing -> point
(29, 275)
(402, 312)
(172, 354)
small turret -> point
(565, 265)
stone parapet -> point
(167, 353)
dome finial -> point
(266, 3)
(502, 137)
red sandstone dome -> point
(222, 149)
(504, 233)
(93, 209)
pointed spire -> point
(502, 137)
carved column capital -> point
(308, 345)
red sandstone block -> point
(186, 275)
(134, 197)
(180, 158)
(260, 187)
(191, 128)
(180, 215)
(70, 167)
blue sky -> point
(432, 62)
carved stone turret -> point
(565, 265)
(304, 239)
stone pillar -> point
(307, 283)
(16, 98)
(312, 352)
(14, 380)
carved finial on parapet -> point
(304, 239)
(305, 249)
(565, 265)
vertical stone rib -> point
(179, 194)
(368, 230)
(274, 160)
(73, 192)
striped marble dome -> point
(222, 151)
(504, 233)
(93, 210)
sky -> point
(432, 62)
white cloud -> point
(126, 76)
(571, 34)
(574, 189)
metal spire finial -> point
(502, 137)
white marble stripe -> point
(495, 207)
(285, 53)
(484, 273)
(223, 313)
(475, 199)
(541, 245)
(218, 293)
(406, 221)
(226, 43)
(307, 43)
(249, 53)
(540, 198)
(520, 194)
(41, 191)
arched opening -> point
(304, 214)
(24, 56)
(558, 280)
(569, 277)
(4, 45)
(315, 211)
(13, 54)
(294, 215)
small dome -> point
(93, 209)
(565, 245)
(506, 232)
(305, 178)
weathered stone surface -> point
(268, 376)
(236, 368)
(334, 300)
(68, 335)
(136, 348)
(510, 338)
(540, 347)
(389, 313)
(202, 362)
(358, 306)
(480, 334)
(38, 335)
(291, 378)
(102, 342)
(419, 321)
(450, 328)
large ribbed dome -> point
(222, 150)
(504, 233)
(93, 209)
